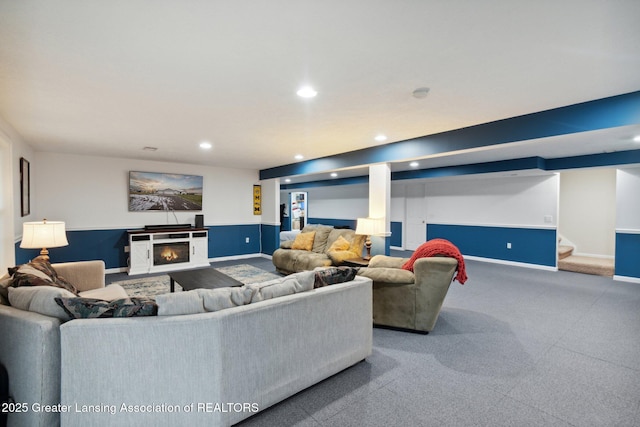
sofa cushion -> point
(304, 241)
(108, 293)
(221, 298)
(39, 272)
(332, 275)
(320, 240)
(339, 257)
(294, 283)
(387, 261)
(388, 275)
(292, 260)
(176, 303)
(90, 308)
(40, 299)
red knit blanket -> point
(439, 247)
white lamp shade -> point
(370, 226)
(43, 234)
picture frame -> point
(157, 191)
(257, 200)
(25, 187)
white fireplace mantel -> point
(167, 250)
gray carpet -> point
(512, 347)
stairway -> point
(583, 264)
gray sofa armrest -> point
(385, 261)
(433, 277)
(84, 275)
(31, 353)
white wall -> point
(339, 202)
(13, 148)
(90, 192)
(588, 210)
(516, 201)
(628, 199)
(497, 201)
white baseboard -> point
(513, 263)
(234, 257)
(627, 279)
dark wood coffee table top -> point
(201, 278)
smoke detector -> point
(421, 92)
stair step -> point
(587, 265)
(564, 251)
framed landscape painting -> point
(153, 191)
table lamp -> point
(369, 227)
(43, 234)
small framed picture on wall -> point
(25, 184)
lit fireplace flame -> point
(168, 254)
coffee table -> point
(201, 278)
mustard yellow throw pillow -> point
(341, 244)
(304, 241)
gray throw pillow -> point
(177, 303)
(221, 298)
(40, 299)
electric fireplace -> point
(170, 253)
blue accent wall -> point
(85, 245)
(627, 255)
(108, 245)
(396, 234)
(270, 238)
(528, 245)
(229, 240)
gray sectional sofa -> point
(205, 369)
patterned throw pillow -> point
(304, 241)
(333, 275)
(91, 308)
(39, 272)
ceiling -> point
(109, 78)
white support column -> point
(380, 205)
(270, 220)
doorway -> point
(298, 208)
(587, 221)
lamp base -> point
(367, 245)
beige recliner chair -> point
(405, 299)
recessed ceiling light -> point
(287, 180)
(306, 92)
(421, 92)
(150, 148)
(636, 139)
(414, 164)
(334, 175)
(298, 157)
(380, 138)
(206, 145)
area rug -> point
(149, 287)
